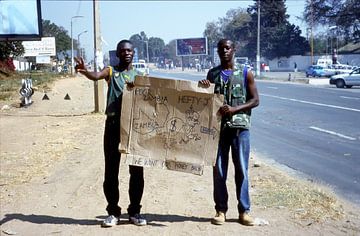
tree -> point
(9, 50)
(139, 44)
(277, 36)
(156, 47)
(63, 40)
(345, 14)
(213, 33)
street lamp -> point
(332, 28)
(85, 31)
(147, 51)
(72, 43)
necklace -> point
(225, 75)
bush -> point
(7, 66)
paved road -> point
(314, 130)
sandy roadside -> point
(52, 171)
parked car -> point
(314, 71)
(347, 79)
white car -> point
(346, 80)
(141, 67)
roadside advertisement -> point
(43, 60)
(191, 47)
(45, 47)
(20, 20)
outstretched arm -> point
(81, 68)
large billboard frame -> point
(16, 17)
(191, 47)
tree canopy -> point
(277, 36)
(344, 15)
(63, 40)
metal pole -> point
(147, 51)
(311, 36)
(72, 49)
(72, 43)
(258, 43)
(85, 31)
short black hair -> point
(123, 42)
(222, 41)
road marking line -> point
(354, 98)
(333, 133)
(312, 103)
(273, 87)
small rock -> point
(9, 232)
(5, 107)
(261, 222)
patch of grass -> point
(11, 84)
(305, 200)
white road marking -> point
(312, 103)
(273, 87)
(353, 98)
(333, 133)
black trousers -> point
(112, 164)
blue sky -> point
(165, 19)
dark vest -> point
(235, 93)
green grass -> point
(10, 85)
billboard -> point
(45, 47)
(191, 47)
(20, 20)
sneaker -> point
(138, 220)
(245, 219)
(111, 220)
(219, 218)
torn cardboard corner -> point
(170, 124)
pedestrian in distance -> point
(240, 96)
(117, 78)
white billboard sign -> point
(43, 60)
(45, 47)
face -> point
(226, 50)
(125, 52)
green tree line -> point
(278, 36)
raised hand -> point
(80, 65)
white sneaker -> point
(110, 221)
(138, 220)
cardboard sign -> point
(170, 124)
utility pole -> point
(258, 42)
(98, 85)
(311, 36)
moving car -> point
(314, 71)
(347, 79)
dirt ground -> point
(52, 171)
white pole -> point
(72, 43)
(258, 43)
